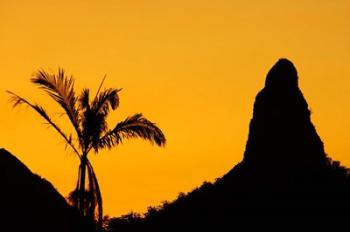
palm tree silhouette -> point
(88, 118)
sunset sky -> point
(192, 66)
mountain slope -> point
(30, 203)
(285, 175)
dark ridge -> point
(285, 178)
(31, 203)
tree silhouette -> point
(91, 132)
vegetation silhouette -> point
(284, 178)
(30, 203)
(88, 118)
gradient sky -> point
(192, 66)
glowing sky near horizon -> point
(192, 66)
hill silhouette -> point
(30, 203)
(285, 176)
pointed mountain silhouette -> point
(30, 203)
(284, 177)
(281, 131)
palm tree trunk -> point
(81, 190)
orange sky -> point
(192, 66)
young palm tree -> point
(88, 118)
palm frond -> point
(101, 84)
(93, 125)
(17, 100)
(135, 126)
(93, 121)
(61, 89)
(95, 209)
(84, 99)
(104, 100)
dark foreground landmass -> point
(284, 180)
(30, 203)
